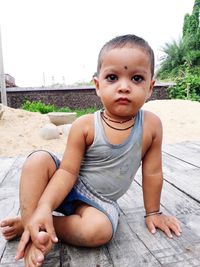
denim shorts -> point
(82, 191)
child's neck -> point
(107, 117)
(111, 123)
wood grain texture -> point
(186, 151)
(132, 245)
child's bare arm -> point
(65, 177)
(152, 186)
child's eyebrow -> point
(109, 70)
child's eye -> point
(111, 77)
(137, 78)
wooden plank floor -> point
(133, 245)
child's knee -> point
(98, 234)
(41, 160)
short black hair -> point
(125, 40)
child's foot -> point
(11, 228)
(33, 255)
(45, 240)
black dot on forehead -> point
(125, 67)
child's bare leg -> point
(86, 219)
(36, 173)
(88, 227)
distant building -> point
(9, 80)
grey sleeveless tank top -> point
(109, 168)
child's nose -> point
(124, 87)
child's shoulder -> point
(84, 120)
(83, 124)
(151, 118)
(152, 125)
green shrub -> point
(187, 87)
(43, 108)
(65, 109)
(37, 107)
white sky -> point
(62, 38)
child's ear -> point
(96, 83)
(151, 89)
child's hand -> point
(40, 220)
(164, 223)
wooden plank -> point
(5, 165)
(169, 252)
(126, 249)
(133, 245)
(174, 202)
(186, 151)
(182, 175)
(2, 246)
(53, 258)
(16, 264)
(9, 202)
(12, 178)
(182, 251)
(85, 257)
(185, 208)
(8, 207)
(9, 253)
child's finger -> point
(178, 225)
(166, 230)
(177, 232)
(51, 231)
(151, 227)
(175, 227)
(22, 245)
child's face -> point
(124, 82)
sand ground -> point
(19, 129)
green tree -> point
(181, 62)
(191, 36)
(174, 59)
(185, 52)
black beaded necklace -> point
(121, 122)
(104, 118)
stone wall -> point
(76, 97)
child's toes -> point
(38, 257)
(33, 256)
